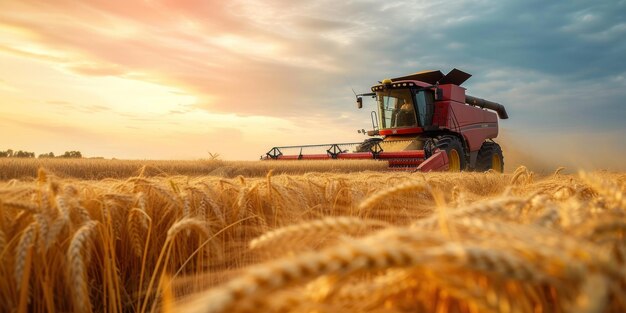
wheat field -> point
(279, 240)
(97, 169)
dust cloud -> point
(575, 151)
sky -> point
(179, 79)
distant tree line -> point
(25, 154)
(16, 154)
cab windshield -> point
(397, 108)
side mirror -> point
(359, 102)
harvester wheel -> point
(367, 144)
(490, 157)
(453, 148)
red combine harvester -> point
(424, 122)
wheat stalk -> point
(20, 205)
(384, 194)
(368, 254)
(26, 243)
(342, 225)
(188, 224)
(558, 170)
(60, 222)
(78, 269)
(3, 242)
(137, 225)
(606, 188)
(43, 227)
(508, 244)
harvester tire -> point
(367, 144)
(490, 158)
(453, 148)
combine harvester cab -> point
(424, 122)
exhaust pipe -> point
(499, 108)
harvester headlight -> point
(404, 85)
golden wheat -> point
(3, 242)
(27, 240)
(138, 223)
(323, 227)
(188, 224)
(95, 169)
(327, 241)
(76, 255)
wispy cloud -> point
(298, 60)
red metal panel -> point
(476, 136)
(475, 124)
(401, 131)
(453, 93)
(405, 162)
(356, 155)
(413, 154)
(288, 157)
(402, 169)
(440, 116)
(467, 114)
(437, 162)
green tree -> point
(72, 154)
(23, 154)
(46, 155)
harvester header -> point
(422, 121)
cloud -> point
(554, 65)
(96, 70)
(65, 106)
(321, 24)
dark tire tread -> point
(447, 143)
(486, 152)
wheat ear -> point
(78, 268)
(558, 170)
(60, 222)
(268, 277)
(43, 223)
(19, 205)
(369, 254)
(385, 193)
(606, 188)
(27, 240)
(188, 223)
(137, 225)
(342, 225)
(495, 207)
(520, 171)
